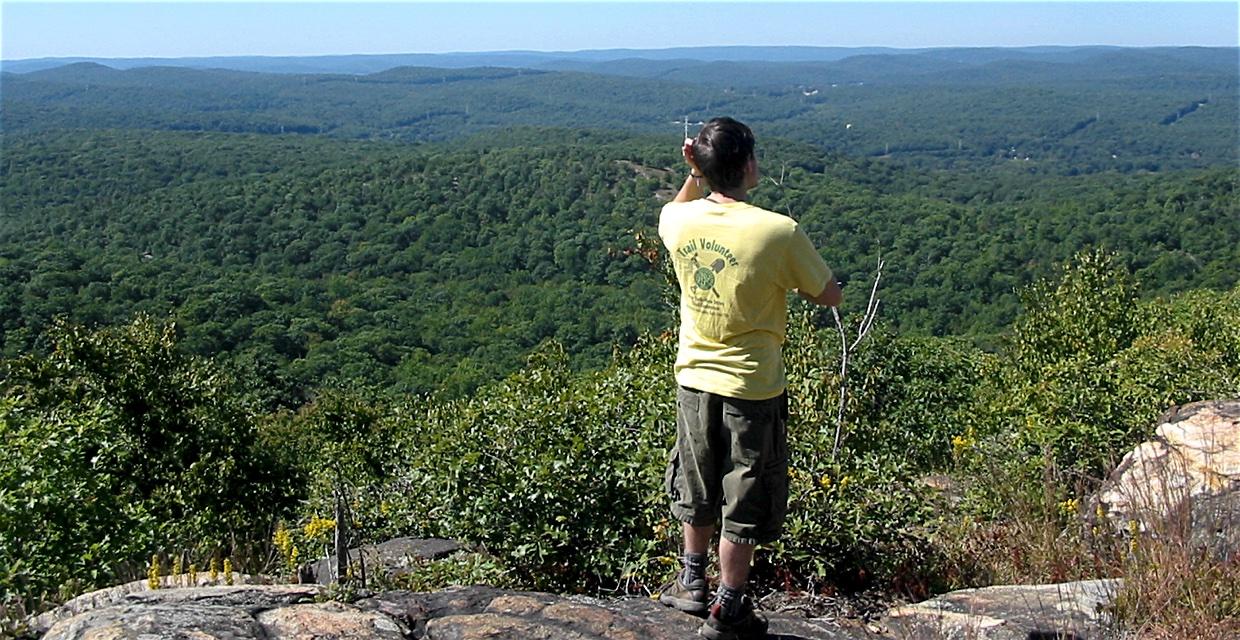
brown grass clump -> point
(1175, 586)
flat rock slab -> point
(389, 558)
(179, 620)
(1068, 611)
(136, 592)
(329, 621)
(291, 612)
(474, 613)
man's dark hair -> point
(722, 149)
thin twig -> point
(839, 418)
(863, 330)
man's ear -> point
(751, 171)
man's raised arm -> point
(831, 295)
(692, 188)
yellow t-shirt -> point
(736, 263)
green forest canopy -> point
(424, 228)
(435, 266)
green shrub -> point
(1090, 368)
(462, 568)
(556, 474)
(119, 445)
(859, 518)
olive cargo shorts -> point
(730, 460)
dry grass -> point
(1174, 586)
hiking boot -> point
(690, 598)
(747, 625)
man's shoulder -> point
(773, 222)
(677, 207)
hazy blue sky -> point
(172, 29)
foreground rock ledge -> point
(291, 612)
(1068, 611)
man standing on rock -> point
(735, 263)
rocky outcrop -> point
(1069, 611)
(1187, 478)
(390, 558)
(293, 612)
(296, 612)
(484, 612)
(135, 593)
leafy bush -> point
(119, 445)
(1090, 367)
(459, 568)
(859, 517)
(556, 474)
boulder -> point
(1068, 611)
(390, 558)
(1184, 480)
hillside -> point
(424, 268)
(1061, 110)
(241, 311)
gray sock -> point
(695, 568)
(729, 601)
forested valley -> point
(227, 293)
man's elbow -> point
(832, 296)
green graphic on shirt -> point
(704, 277)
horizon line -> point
(632, 49)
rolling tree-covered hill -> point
(231, 301)
(437, 267)
(1062, 110)
(423, 228)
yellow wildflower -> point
(825, 482)
(961, 444)
(1068, 507)
(228, 571)
(152, 572)
(317, 528)
(283, 540)
(215, 569)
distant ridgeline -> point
(287, 224)
(1060, 109)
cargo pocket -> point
(749, 423)
(669, 477)
(775, 471)
(775, 483)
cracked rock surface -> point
(291, 612)
(294, 612)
